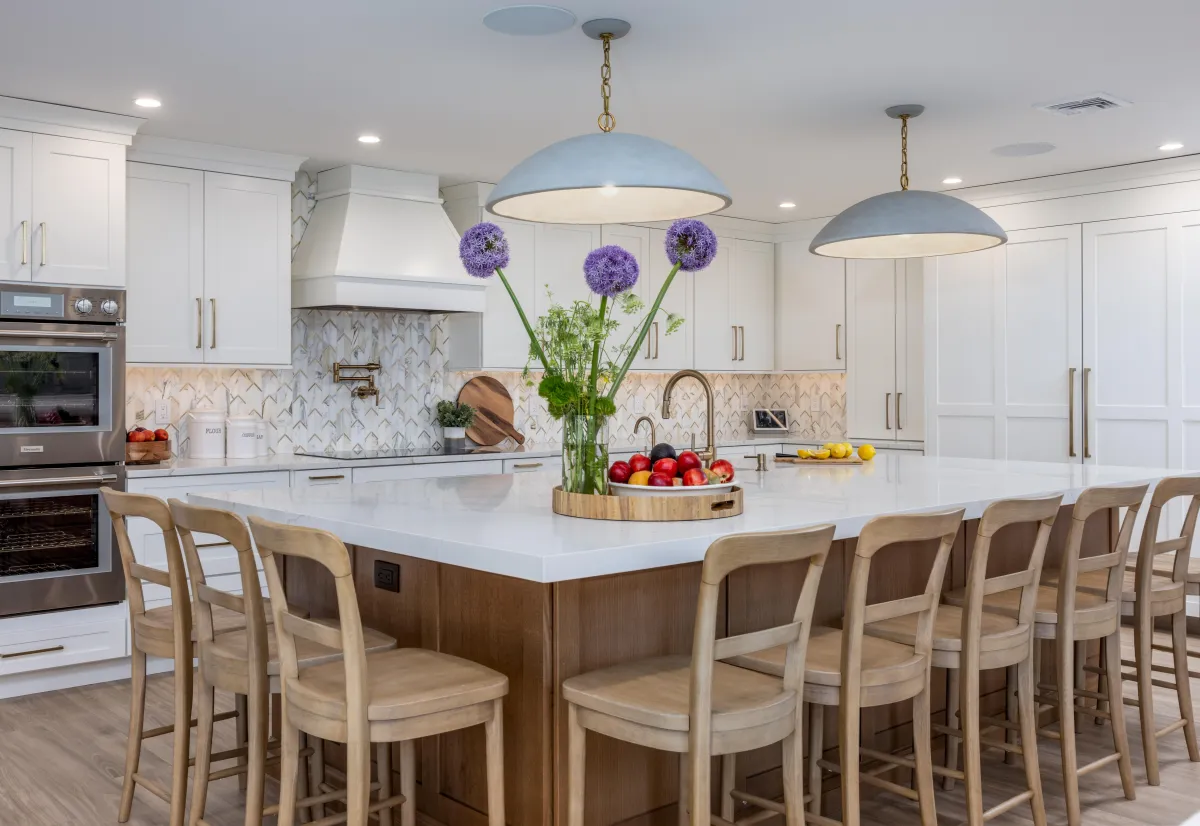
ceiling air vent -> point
(1098, 102)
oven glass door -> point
(53, 534)
(47, 389)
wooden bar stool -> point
(1070, 615)
(384, 697)
(160, 632)
(853, 671)
(244, 662)
(966, 641)
(697, 706)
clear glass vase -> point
(585, 454)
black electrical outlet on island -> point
(387, 576)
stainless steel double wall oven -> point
(62, 437)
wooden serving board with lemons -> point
(831, 453)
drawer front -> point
(329, 477)
(37, 650)
(399, 472)
(553, 464)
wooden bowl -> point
(147, 453)
(650, 508)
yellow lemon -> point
(804, 453)
(827, 446)
(849, 448)
(838, 451)
(823, 453)
(866, 452)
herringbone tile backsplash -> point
(305, 409)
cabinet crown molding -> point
(67, 121)
(211, 157)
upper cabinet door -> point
(910, 366)
(669, 352)
(871, 349)
(505, 341)
(165, 252)
(636, 241)
(247, 270)
(753, 291)
(715, 334)
(810, 309)
(78, 212)
(561, 250)
(15, 228)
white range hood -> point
(379, 239)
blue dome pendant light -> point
(909, 223)
(609, 177)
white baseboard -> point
(74, 676)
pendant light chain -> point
(904, 152)
(607, 120)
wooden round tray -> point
(649, 508)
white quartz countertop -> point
(504, 524)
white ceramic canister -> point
(206, 433)
(260, 437)
(241, 437)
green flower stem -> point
(596, 358)
(637, 347)
(537, 345)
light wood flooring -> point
(62, 755)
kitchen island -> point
(488, 572)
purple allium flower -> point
(610, 270)
(691, 244)
(482, 249)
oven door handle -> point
(66, 334)
(57, 480)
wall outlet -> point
(162, 412)
(387, 576)
(814, 403)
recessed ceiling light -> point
(1170, 147)
(787, 205)
(532, 19)
(148, 103)
(368, 139)
(952, 180)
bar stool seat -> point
(655, 692)
(997, 634)
(401, 684)
(228, 653)
(1089, 607)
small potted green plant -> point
(454, 418)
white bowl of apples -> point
(665, 473)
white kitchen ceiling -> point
(782, 99)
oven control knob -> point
(83, 306)
(108, 307)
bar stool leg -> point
(133, 745)
(1080, 680)
(576, 760)
(953, 744)
(923, 754)
(1116, 707)
(685, 772)
(408, 782)
(1026, 697)
(1065, 674)
(494, 732)
(793, 779)
(816, 751)
(1183, 682)
(383, 766)
(969, 724)
(242, 733)
(182, 734)
(728, 780)
(316, 773)
(1012, 709)
(1143, 639)
(304, 813)
(256, 756)
(289, 767)
(1102, 705)
(849, 731)
(358, 778)
(204, 740)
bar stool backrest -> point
(121, 506)
(1172, 487)
(1091, 501)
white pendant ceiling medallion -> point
(910, 223)
(608, 177)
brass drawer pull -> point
(16, 654)
(330, 478)
(527, 466)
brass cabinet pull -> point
(333, 477)
(527, 465)
(43, 230)
(212, 345)
(734, 342)
(887, 411)
(1087, 448)
(837, 343)
(898, 425)
(1071, 411)
(199, 323)
(648, 351)
(656, 339)
(743, 356)
(24, 243)
(15, 654)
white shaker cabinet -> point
(635, 241)
(16, 176)
(810, 310)
(558, 264)
(734, 308)
(209, 268)
(670, 352)
(884, 366)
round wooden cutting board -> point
(493, 412)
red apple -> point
(161, 435)
(660, 480)
(620, 472)
(129, 436)
(668, 467)
(694, 477)
(688, 460)
(722, 468)
(639, 462)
